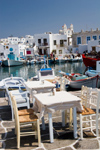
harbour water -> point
(28, 71)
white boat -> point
(10, 63)
(31, 62)
(91, 72)
(45, 73)
(40, 60)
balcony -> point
(61, 45)
(43, 45)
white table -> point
(39, 86)
(47, 103)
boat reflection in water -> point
(29, 71)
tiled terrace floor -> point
(63, 137)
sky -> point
(29, 17)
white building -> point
(18, 49)
(29, 40)
(93, 45)
(3, 41)
(58, 44)
(48, 43)
(16, 40)
(67, 31)
(13, 40)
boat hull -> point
(89, 62)
(10, 63)
(89, 82)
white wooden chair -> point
(22, 119)
(85, 95)
(90, 115)
(22, 98)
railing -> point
(42, 44)
(61, 45)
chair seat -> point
(87, 111)
(25, 112)
(20, 100)
(27, 118)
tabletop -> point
(46, 102)
(39, 84)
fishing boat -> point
(44, 73)
(12, 60)
(76, 80)
(91, 72)
(90, 60)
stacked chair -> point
(14, 85)
(23, 118)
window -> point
(1, 54)
(95, 37)
(54, 42)
(78, 40)
(7, 47)
(39, 41)
(99, 36)
(88, 38)
(54, 51)
(28, 52)
(60, 51)
(61, 43)
(45, 41)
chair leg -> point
(18, 138)
(15, 128)
(97, 124)
(12, 113)
(38, 131)
(81, 131)
(36, 135)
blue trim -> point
(67, 74)
(44, 69)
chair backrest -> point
(95, 99)
(85, 95)
(14, 104)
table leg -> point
(75, 122)
(50, 127)
(70, 119)
(43, 123)
(63, 118)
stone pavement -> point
(63, 137)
